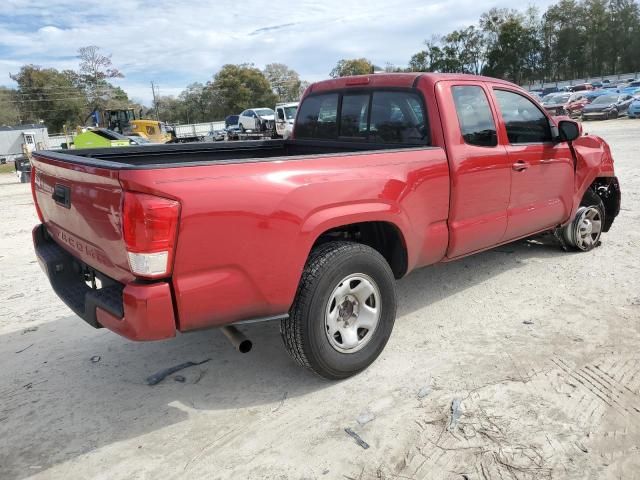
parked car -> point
(138, 140)
(257, 119)
(231, 127)
(547, 90)
(576, 103)
(607, 106)
(385, 174)
(630, 88)
(580, 99)
(285, 118)
(555, 103)
(217, 135)
(580, 87)
(536, 94)
(596, 85)
(231, 121)
(634, 108)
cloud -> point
(176, 43)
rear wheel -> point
(344, 310)
(584, 232)
(242, 128)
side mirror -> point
(568, 130)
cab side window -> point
(318, 117)
(474, 116)
(524, 121)
(398, 117)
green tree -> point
(9, 112)
(513, 46)
(196, 102)
(347, 68)
(45, 94)
(172, 110)
(429, 59)
(238, 87)
(285, 82)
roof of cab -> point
(397, 80)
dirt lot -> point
(518, 363)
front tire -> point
(344, 310)
(583, 233)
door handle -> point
(546, 160)
(520, 166)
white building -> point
(35, 137)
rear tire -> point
(344, 310)
(583, 233)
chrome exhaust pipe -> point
(237, 339)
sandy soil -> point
(519, 363)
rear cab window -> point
(373, 116)
(475, 118)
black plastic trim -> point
(67, 277)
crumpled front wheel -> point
(584, 232)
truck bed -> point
(175, 155)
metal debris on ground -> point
(357, 438)
(179, 379)
(162, 374)
(455, 414)
(95, 359)
(25, 348)
(528, 322)
(30, 329)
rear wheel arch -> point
(383, 236)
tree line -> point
(571, 39)
(231, 90)
(66, 97)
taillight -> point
(33, 194)
(149, 228)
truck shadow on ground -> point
(59, 378)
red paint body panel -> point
(91, 228)
(148, 313)
(246, 228)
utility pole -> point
(155, 103)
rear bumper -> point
(137, 311)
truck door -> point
(479, 168)
(281, 121)
(541, 170)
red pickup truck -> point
(384, 174)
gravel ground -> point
(518, 363)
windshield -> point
(556, 98)
(290, 112)
(605, 99)
(263, 111)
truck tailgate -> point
(81, 208)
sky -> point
(175, 43)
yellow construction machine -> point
(124, 121)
